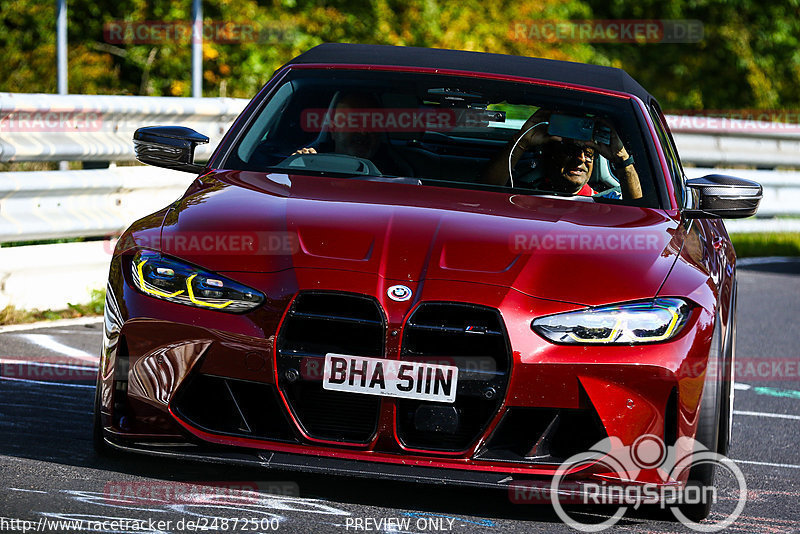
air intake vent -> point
(545, 436)
(233, 407)
(472, 338)
(318, 324)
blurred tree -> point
(29, 47)
(269, 34)
(748, 57)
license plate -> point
(390, 378)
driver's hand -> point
(614, 151)
(307, 150)
(537, 136)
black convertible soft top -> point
(543, 69)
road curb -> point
(767, 259)
(78, 321)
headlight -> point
(624, 324)
(172, 280)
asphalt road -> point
(49, 471)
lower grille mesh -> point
(473, 339)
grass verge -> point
(12, 315)
(766, 244)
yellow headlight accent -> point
(144, 287)
(200, 302)
(611, 337)
(668, 332)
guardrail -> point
(91, 203)
(41, 127)
(45, 127)
(42, 205)
(719, 142)
(86, 203)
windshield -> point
(452, 131)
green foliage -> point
(29, 46)
(275, 32)
(97, 299)
(749, 56)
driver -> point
(567, 163)
(364, 144)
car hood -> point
(563, 249)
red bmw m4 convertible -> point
(425, 265)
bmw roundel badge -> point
(399, 293)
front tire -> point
(101, 447)
(709, 426)
(729, 352)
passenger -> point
(362, 144)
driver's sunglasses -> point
(571, 148)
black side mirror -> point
(718, 196)
(168, 146)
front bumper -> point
(215, 383)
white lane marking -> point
(79, 321)
(741, 387)
(46, 364)
(767, 414)
(40, 382)
(768, 464)
(28, 490)
(47, 342)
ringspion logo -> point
(618, 462)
